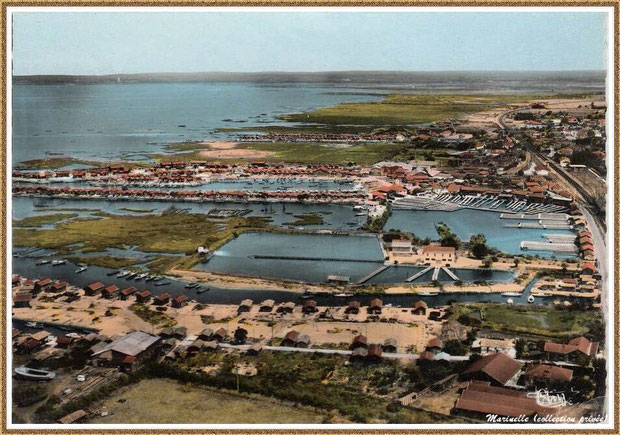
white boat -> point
(343, 295)
(39, 263)
(427, 294)
(122, 273)
(34, 374)
(81, 269)
(58, 262)
(140, 276)
(33, 325)
(511, 294)
(510, 301)
(530, 299)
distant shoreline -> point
(344, 78)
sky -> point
(142, 42)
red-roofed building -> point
(481, 399)
(496, 368)
(439, 255)
(572, 350)
(546, 376)
(93, 288)
(110, 292)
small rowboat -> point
(34, 374)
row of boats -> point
(53, 262)
(128, 275)
(493, 202)
(157, 280)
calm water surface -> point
(132, 120)
(465, 223)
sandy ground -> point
(229, 150)
(412, 331)
(461, 261)
(229, 281)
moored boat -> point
(34, 374)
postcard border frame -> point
(304, 3)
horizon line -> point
(307, 72)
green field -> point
(149, 233)
(156, 401)
(537, 320)
(46, 219)
(401, 109)
(363, 154)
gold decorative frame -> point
(4, 213)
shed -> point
(180, 301)
(309, 306)
(245, 305)
(375, 306)
(419, 308)
(353, 307)
(267, 305)
(94, 288)
(359, 341)
(290, 339)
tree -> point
(520, 346)
(455, 347)
(478, 246)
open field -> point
(539, 320)
(401, 109)
(362, 154)
(291, 152)
(150, 233)
(156, 401)
(407, 109)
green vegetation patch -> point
(46, 219)
(56, 163)
(167, 233)
(537, 320)
(307, 219)
(154, 317)
(110, 262)
(157, 401)
(403, 109)
(362, 154)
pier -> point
(450, 273)
(436, 274)
(568, 248)
(540, 225)
(417, 275)
(372, 274)
(290, 257)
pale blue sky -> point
(108, 43)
